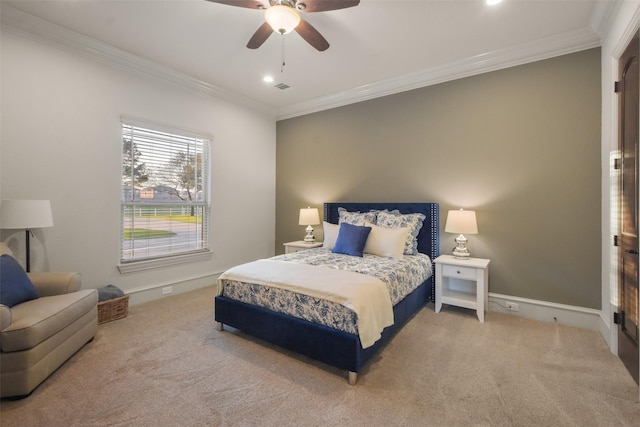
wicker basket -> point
(113, 309)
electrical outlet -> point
(512, 306)
(167, 290)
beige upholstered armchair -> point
(37, 336)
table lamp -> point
(309, 217)
(462, 222)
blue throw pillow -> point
(15, 286)
(351, 239)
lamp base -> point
(461, 251)
(309, 238)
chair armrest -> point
(49, 284)
(5, 317)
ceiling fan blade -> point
(312, 36)
(260, 36)
(324, 5)
(251, 4)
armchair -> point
(39, 335)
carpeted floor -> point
(166, 364)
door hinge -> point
(617, 86)
(616, 241)
(617, 163)
(616, 318)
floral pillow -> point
(355, 218)
(395, 219)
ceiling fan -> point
(282, 17)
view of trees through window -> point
(165, 180)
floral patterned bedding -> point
(401, 276)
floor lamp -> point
(26, 214)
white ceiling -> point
(378, 47)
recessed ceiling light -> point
(492, 2)
(267, 79)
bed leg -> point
(353, 378)
(220, 326)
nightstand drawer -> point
(468, 273)
(300, 245)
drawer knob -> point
(458, 271)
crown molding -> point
(557, 45)
(603, 16)
(26, 25)
(492, 61)
(632, 10)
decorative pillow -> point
(387, 242)
(15, 286)
(395, 219)
(355, 218)
(351, 239)
(330, 232)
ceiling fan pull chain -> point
(282, 64)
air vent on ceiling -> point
(282, 86)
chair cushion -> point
(15, 286)
(36, 320)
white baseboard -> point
(544, 311)
(608, 328)
(550, 312)
(153, 292)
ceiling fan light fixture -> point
(283, 19)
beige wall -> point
(61, 141)
(520, 146)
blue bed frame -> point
(336, 348)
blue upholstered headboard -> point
(429, 236)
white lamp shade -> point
(25, 214)
(462, 222)
(309, 216)
(283, 19)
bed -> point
(337, 347)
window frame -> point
(203, 230)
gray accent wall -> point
(520, 146)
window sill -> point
(163, 262)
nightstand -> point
(463, 283)
(300, 245)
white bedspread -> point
(367, 296)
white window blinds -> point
(165, 193)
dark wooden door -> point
(628, 287)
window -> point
(165, 192)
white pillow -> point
(330, 232)
(388, 242)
